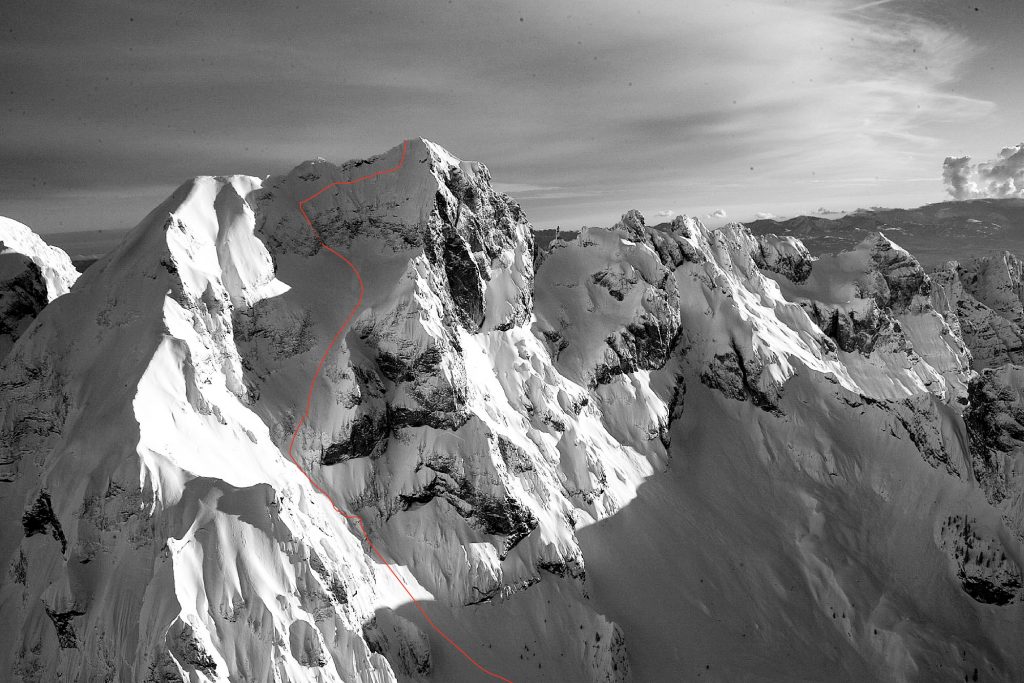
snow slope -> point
(637, 453)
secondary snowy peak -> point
(32, 274)
(54, 265)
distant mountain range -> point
(933, 233)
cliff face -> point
(982, 297)
(494, 412)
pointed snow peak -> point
(878, 245)
(440, 156)
(412, 156)
(893, 277)
(684, 225)
(633, 224)
(391, 196)
(202, 235)
(419, 198)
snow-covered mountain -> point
(635, 453)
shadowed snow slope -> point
(672, 451)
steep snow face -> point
(158, 533)
(983, 298)
(32, 274)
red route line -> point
(309, 403)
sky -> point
(581, 110)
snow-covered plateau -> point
(637, 453)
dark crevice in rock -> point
(451, 420)
(66, 636)
(493, 515)
(674, 412)
(190, 651)
(850, 332)
(334, 585)
(995, 428)
(643, 345)
(570, 568)
(730, 374)
(464, 283)
(514, 457)
(982, 566)
(368, 438)
(21, 298)
(557, 341)
(989, 593)
(611, 283)
(40, 517)
(757, 396)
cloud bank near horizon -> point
(1001, 177)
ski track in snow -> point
(309, 402)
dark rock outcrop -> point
(66, 636)
(981, 564)
(39, 519)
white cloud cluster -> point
(667, 213)
(719, 213)
(765, 215)
(1001, 177)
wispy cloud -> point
(868, 5)
(580, 109)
